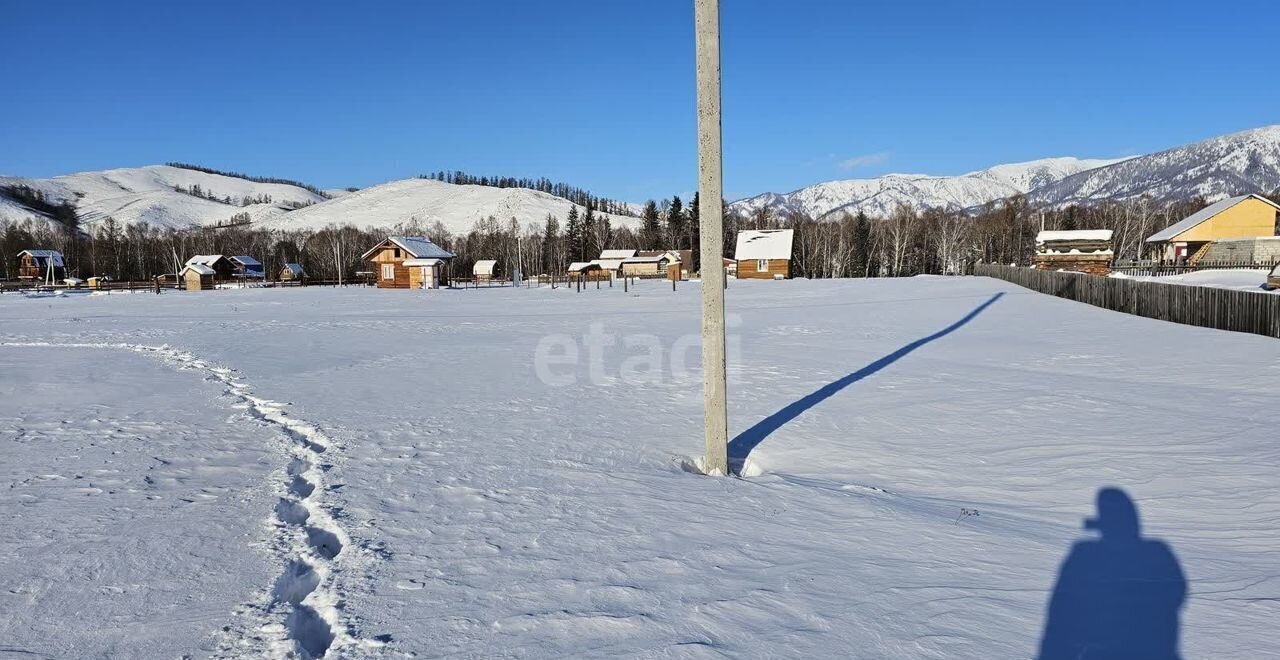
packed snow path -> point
(309, 539)
(911, 492)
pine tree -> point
(588, 231)
(650, 227)
(861, 251)
(675, 223)
(573, 235)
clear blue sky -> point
(600, 93)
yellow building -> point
(1246, 216)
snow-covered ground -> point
(436, 474)
(1243, 280)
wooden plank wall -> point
(1255, 312)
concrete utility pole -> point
(711, 224)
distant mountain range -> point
(178, 197)
(1214, 169)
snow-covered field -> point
(1242, 280)
(498, 473)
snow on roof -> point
(245, 260)
(484, 267)
(763, 244)
(204, 259)
(423, 262)
(196, 268)
(416, 246)
(579, 266)
(1203, 215)
(642, 260)
(1075, 235)
(609, 264)
(616, 254)
(296, 269)
(73, 281)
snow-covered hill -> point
(457, 207)
(880, 195)
(1245, 162)
(150, 194)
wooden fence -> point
(1160, 269)
(1208, 307)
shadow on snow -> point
(742, 445)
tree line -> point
(908, 242)
(574, 194)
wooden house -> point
(482, 271)
(197, 277)
(1081, 251)
(99, 281)
(43, 265)
(683, 257)
(649, 266)
(764, 254)
(730, 266)
(611, 260)
(389, 263)
(1246, 216)
(293, 273)
(223, 269)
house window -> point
(388, 271)
(762, 265)
(397, 253)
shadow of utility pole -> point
(743, 444)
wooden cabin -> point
(223, 269)
(99, 281)
(588, 271)
(648, 266)
(764, 254)
(730, 266)
(388, 259)
(197, 277)
(482, 271)
(1246, 216)
(1081, 251)
(683, 257)
(611, 260)
(293, 273)
(42, 265)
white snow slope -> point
(147, 194)
(457, 207)
(1241, 280)
(879, 196)
(479, 493)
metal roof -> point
(198, 268)
(484, 267)
(245, 260)
(416, 246)
(296, 269)
(1201, 216)
(616, 254)
(45, 254)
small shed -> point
(764, 254)
(72, 282)
(99, 281)
(45, 265)
(425, 273)
(197, 277)
(1081, 251)
(483, 270)
(292, 272)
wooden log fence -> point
(1256, 312)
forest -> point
(907, 242)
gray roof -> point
(45, 254)
(1201, 216)
(416, 246)
(245, 260)
(296, 269)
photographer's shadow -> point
(1117, 597)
